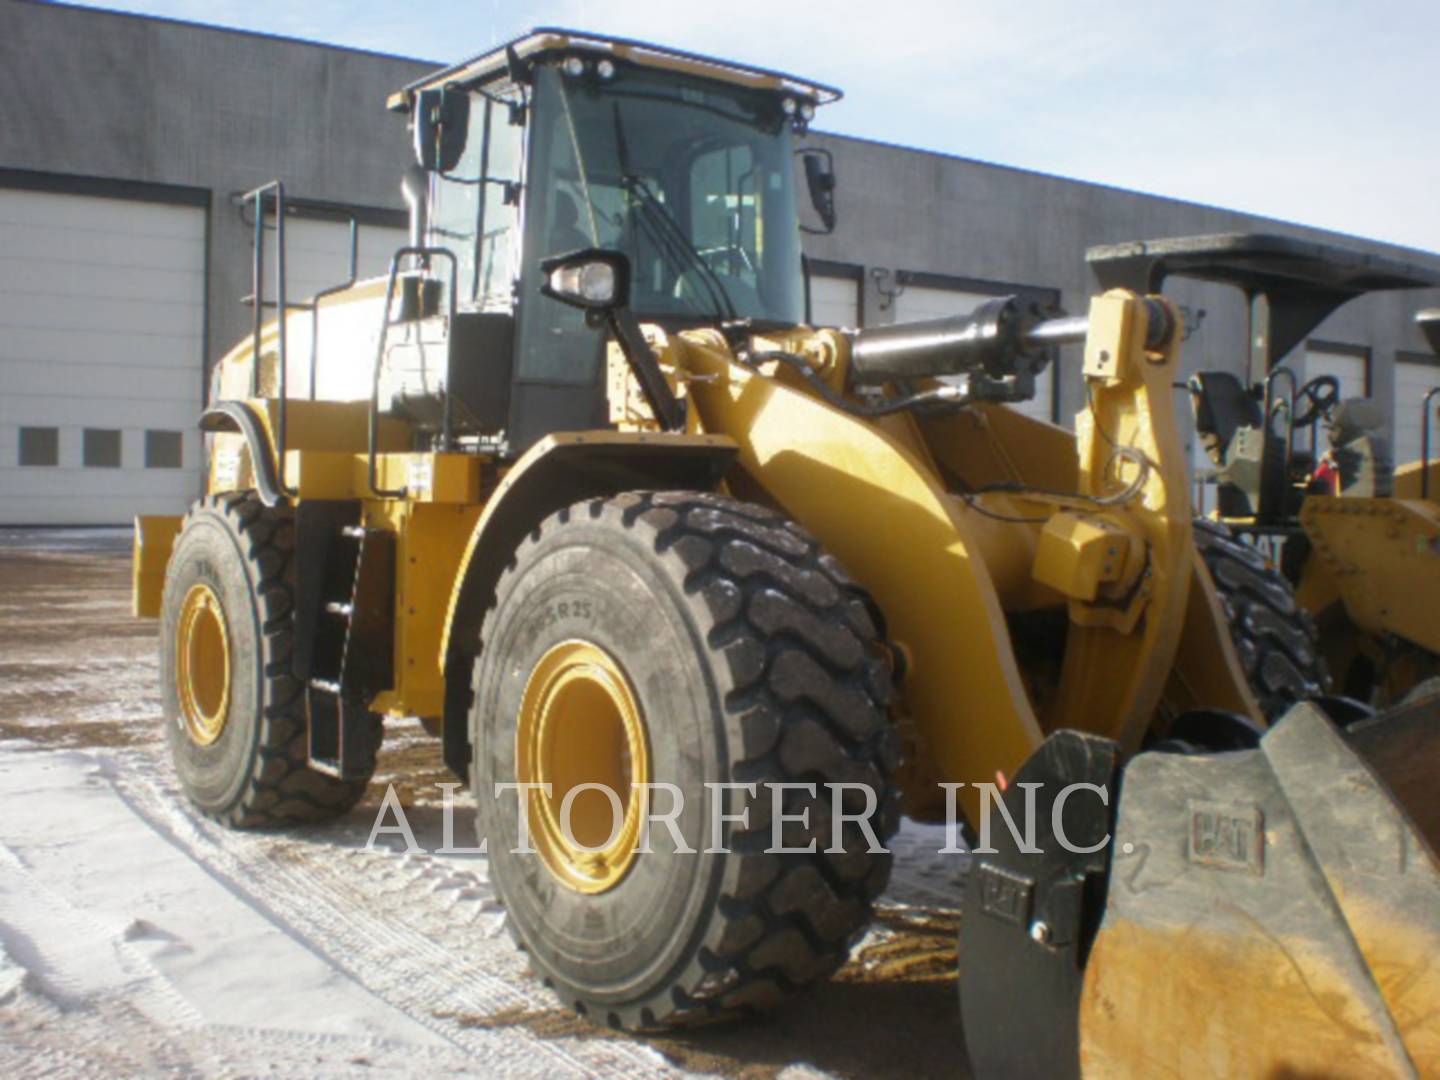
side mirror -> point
(595, 279)
(820, 179)
(1429, 323)
(440, 125)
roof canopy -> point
(546, 40)
(1302, 281)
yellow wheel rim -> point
(580, 724)
(202, 664)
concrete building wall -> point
(99, 94)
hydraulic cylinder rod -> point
(995, 339)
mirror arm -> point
(641, 358)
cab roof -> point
(546, 40)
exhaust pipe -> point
(414, 185)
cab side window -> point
(475, 206)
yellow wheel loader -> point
(699, 597)
(1359, 539)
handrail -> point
(282, 307)
(1425, 442)
(424, 253)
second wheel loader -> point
(1359, 538)
(699, 597)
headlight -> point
(595, 279)
(591, 283)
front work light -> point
(595, 279)
(593, 283)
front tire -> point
(748, 657)
(1277, 641)
(234, 712)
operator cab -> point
(561, 142)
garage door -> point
(101, 320)
(1413, 380)
(915, 303)
(317, 255)
(834, 301)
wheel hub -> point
(202, 664)
(581, 731)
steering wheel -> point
(1318, 397)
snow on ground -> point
(139, 939)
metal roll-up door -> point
(102, 316)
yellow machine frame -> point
(1098, 525)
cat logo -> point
(1270, 545)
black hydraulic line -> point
(940, 395)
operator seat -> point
(1230, 421)
(1222, 407)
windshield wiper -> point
(665, 232)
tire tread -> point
(281, 788)
(803, 688)
(1277, 640)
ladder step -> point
(326, 686)
(336, 607)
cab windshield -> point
(693, 181)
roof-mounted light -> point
(788, 106)
(605, 68)
(573, 66)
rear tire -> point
(248, 765)
(753, 658)
(1278, 643)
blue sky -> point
(1323, 113)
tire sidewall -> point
(590, 581)
(209, 551)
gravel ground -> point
(137, 938)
